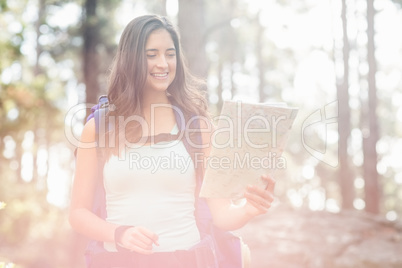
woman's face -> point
(161, 58)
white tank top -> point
(153, 186)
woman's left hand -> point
(259, 200)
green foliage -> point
(33, 98)
(3, 5)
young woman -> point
(150, 206)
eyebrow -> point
(154, 49)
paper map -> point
(247, 143)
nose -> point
(162, 62)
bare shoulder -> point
(88, 140)
(87, 146)
(88, 134)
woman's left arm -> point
(225, 214)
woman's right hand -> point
(138, 239)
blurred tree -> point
(36, 72)
(34, 66)
(260, 61)
(27, 105)
(345, 174)
(27, 102)
(371, 132)
(191, 21)
(97, 29)
(223, 38)
(157, 6)
(91, 36)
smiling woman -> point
(161, 61)
(151, 215)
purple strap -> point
(93, 109)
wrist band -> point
(118, 232)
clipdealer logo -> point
(319, 135)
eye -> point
(150, 55)
(171, 53)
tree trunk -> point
(345, 174)
(260, 62)
(219, 90)
(37, 71)
(90, 54)
(39, 49)
(158, 7)
(19, 151)
(232, 72)
(192, 28)
(371, 188)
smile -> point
(160, 75)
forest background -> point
(338, 61)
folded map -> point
(247, 143)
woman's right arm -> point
(82, 219)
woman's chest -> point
(167, 169)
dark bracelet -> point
(118, 232)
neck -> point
(154, 98)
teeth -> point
(160, 75)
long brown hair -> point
(129, 72)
